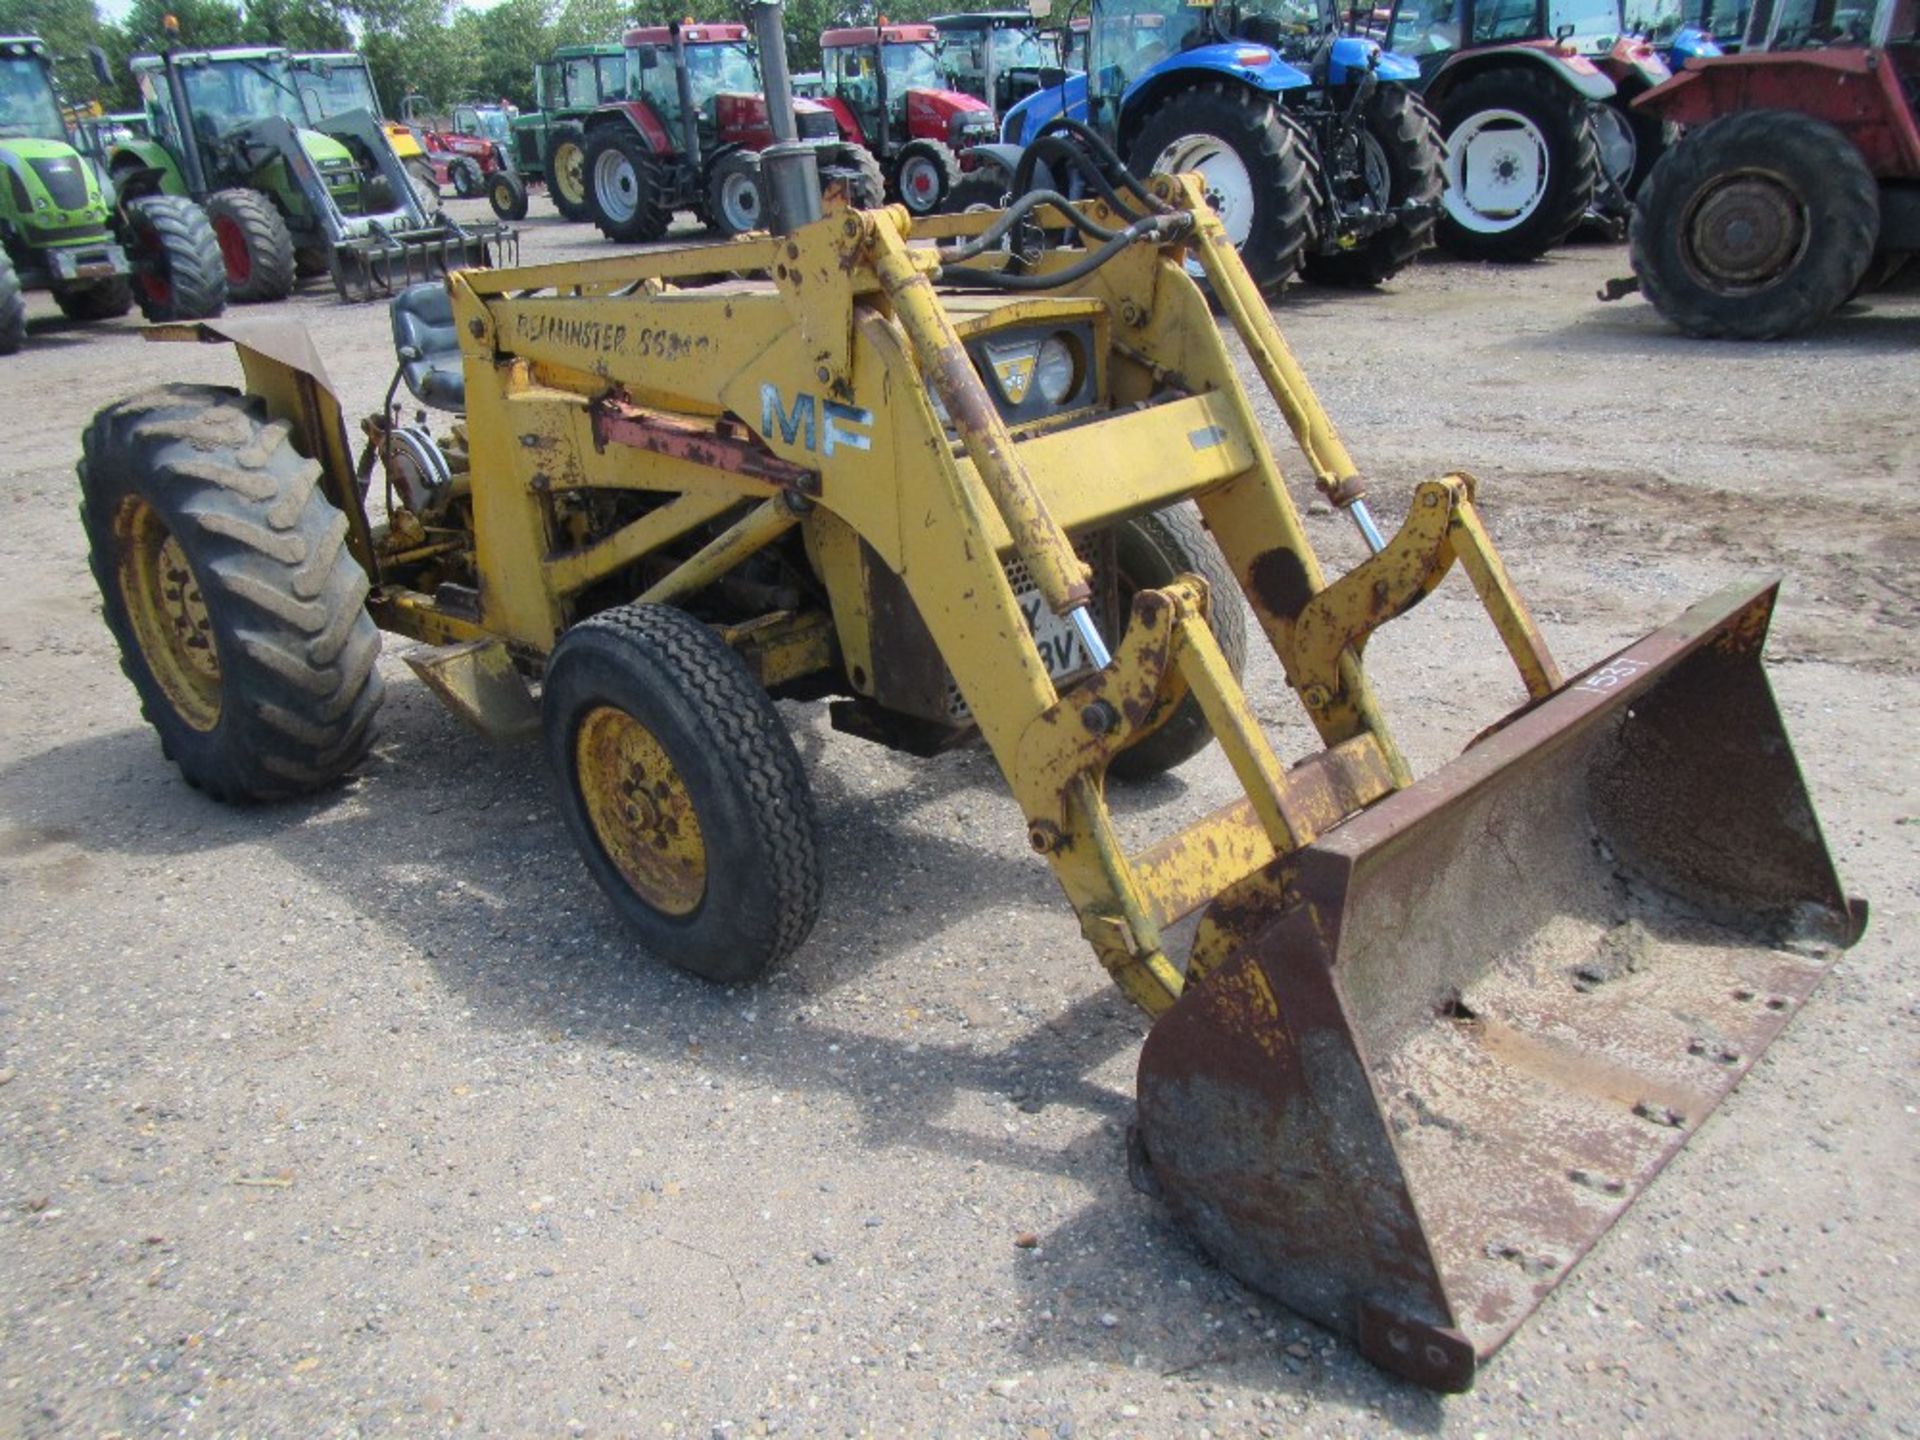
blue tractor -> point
(1316, 153)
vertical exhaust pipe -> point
(789, 170)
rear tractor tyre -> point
(736, 198)
(866, 189)
(1406, 165)
(225, 578)
(568, 179)
(507, 194)
(1150, 551)
(1523, 164)
(107, 299)
(178, 272)
(983, 189)
(1756, 226)
(1253, 165)
(13, 309)
(464, 172)
(1631, 141)
(925, 174)
(255, 245)
(683, 791)
(627, 187)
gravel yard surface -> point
(360, 1115)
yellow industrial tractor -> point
(1431, 1035)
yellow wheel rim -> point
(170, 620)
(640, 811)
(570, 173)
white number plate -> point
(1060, 645)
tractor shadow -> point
(1883, 323)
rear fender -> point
(143, 167)
(1854, 91)
(639, 116)
(1001, 157)
(844, 117)
(1575, 71)
(283, 369)
(1351, 56)
(1023, 121)
(1244, 62)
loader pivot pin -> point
(1082, 620)
(1363, 520)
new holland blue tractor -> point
(1317, 155)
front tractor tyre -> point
(106, 299)
(464, 172)
(1756, 226)
(507, 194)
(924, 175)
(1523, 164)
(683, 791)
(225, 578)
(1150, 551)
(254, 244)
(736, 197)
(1252, 164)
(13, 309)
(178, 273)
(568, 179)
(1405, 169)
(626, 187)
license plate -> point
(1060, 646)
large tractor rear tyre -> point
(982, 189)
(627, 186)
(868, 190)
(736, 196)
(1755, 226)
(924, 175)
(1523, 164)
(568, 179)
(1149, 551)
(178, 272)
(225, 578)
(13, 309)
(107, 299)
(1253, 164)
(1406, 165)
(683, 791)
(1631, 141)
(464, 172)
(255, 245)
(507, 194)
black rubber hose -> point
(1031, 201)
(1151, 227)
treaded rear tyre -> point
(986, 187)
(177, 270)
(254, 244)
(1409, 140)
(13, 309)
(567, 144)
(868, 189)
(1149, 551)
(107, 299)
(1560, 116)
(706, 802)
(1248, 123)
(1711, 279)
(225, 578)
(635, 219)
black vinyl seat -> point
(428, 346)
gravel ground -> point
(360, 1116)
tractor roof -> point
(226, 52)
(332, 57)
(22, 45)
(691, 34)
(985, 20)
(874, 34)
(580, 52)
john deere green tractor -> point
(61, 229)
(290, 193)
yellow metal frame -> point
(801, 394)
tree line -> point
(437, 48)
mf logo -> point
(822, 426)
(1015, 374)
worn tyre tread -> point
(13, 309)
(269, 245)
(107, 299)
(1566, 204)
(1410, 134)
(651, 213)
(299, 680)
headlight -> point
(1054, 371)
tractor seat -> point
(428, 346)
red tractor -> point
(1797, 184)
(885, 85)
(469, 151)
(688, 136)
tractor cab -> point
(338, 83)
(29, 107)
(886, 84)
(1432, 30)
(998, 56)
(486, 122)
(1683, 30)
(713, 76)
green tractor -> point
(550, 143)
(62, 230)
(289, 193)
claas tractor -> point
(1428, 1037)
(884, 83)
(1797, 185)
(290, 193)
(689, 132)
(63, 229)
(333, 83)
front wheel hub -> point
(169, 616)
(641, 811)
(1745, 231)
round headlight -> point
(1054, 370)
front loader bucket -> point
(1443, 1047)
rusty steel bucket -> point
(1439, 1051)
